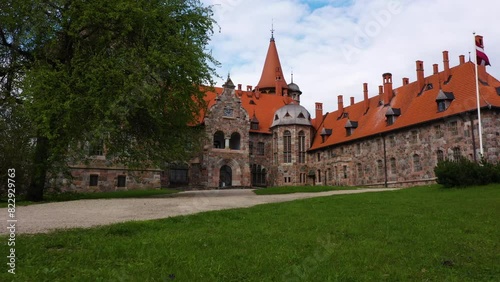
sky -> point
(334, 46)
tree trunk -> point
(40, 166)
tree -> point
(125, 72)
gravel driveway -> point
(42, 218)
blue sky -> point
(335, 46)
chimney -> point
(352, 101)
(380, 93)
(340, 102)
(446, 63)
(249, 87)
(365, 96)
(387, 88)
(420, 75)
(406, 80)
(435, 68)
(461, 58)
(319, 113)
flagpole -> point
(479, 125)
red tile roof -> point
(415, 108)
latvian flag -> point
(481, 57)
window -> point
(178, 176)
(414, 137)
(287, 147)
(302, 147)
(234, 142)
(260, 148)
(319, 175)
(456, 153)
(440, 156)
(287, 179)
(258, 175)
(345, 171)
(392, 141)
(275, 146)
(417, 166)
(122, 181)
(453, 127)
(380, 168)
(360, 170)
(441, 106)
(390, 120)
(438, 131)
(328, 175)
(94, 180)
(96, 148)
(392, 162)
(254, 125)
(318, 156)
(349, 131)
(302, 177)
(228, 112)
(250, 147)
(219, 141)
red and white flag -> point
(481, 57)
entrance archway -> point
(226, 176)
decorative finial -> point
(272, 29)
(292, 75)
(469, 56)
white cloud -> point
(335, 46)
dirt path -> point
(42, 218)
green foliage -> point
(125, 72)
(416, 234)
(463, 173)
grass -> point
(418, 234)
(299, 189)
(72, 196)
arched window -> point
(417, 166)
(456, 153)
(250, 147)
(234, 142)
(302, 147)
(360, 170)
(219, 141)
(287, 147)
(393, 165)
(440, 155)
(380, 168)
(275, 147)
(258, 175)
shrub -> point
(463, 173)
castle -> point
(262, 136)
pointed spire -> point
(292, 77)
(272, 79)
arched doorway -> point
(226, 176)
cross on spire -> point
(272, 29)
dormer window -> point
(350, 126)
(391, 115)
(254, 123)
(443, 100)
(325, 133)
(301, 115)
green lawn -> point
(71, 196)
(299, 189)
(417, 234)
